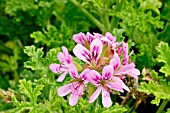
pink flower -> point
(125, 54)
(76, 88)
(105, 83)
(65, 59)
(128, 69)
(82, 39)
(89, 56)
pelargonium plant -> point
(106, 65)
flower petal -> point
(55, 68)
(80, 89)
(95, 95)
(61, 57)
(62, 76)
(82, 53)
(110, 37)
(126, 56)
(120, 82)
(65, 50)
(125, 69)
(79, 38)
(73, 99)
(125, 87)
(115, 86)
(106, 100)
(84, 74)
(89, 37)
(97, 35)
(96, 48)
(115, 61)
(107, 72)
(94, 77)
(73, 71)
(133, 73)
(104, 39)
(64, 90)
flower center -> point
(102, 82)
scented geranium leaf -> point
(51, 36)
(12, 6)
(145, 58)
(165, 10)
(36, 57)
(159, 90)
(32, 93)
(52, 55)
(134, 16)
(151, 4)
(38, 62)
(118, 34)
(163, 56)
(156, 101)
(165, 34)
(154, 74)
(114, 109)
(168, 110)
(26, 87)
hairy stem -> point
(92, 18)
(161, 108)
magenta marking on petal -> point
(95, 52)
(86, 55)
(107, 76)
(58, 69)
(83, 77)
(97, 79)
(73, 74)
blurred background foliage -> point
(49, 24)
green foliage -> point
(168, 110)
(26, 87)
(52, 36)
(49, 24)
(160, 88)
(4, 82)
(164, 52)
(160, 91)
(145, 58)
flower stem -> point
(115, 19)
(161, 108)
(106, 22)
(128, 95)
(92, 18)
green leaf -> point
(160, 91)
(118, 34)
(26, 87)
(53, 37)
(145, 58)
(36, 57)
(164, 51)
(168, 110)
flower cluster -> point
(106, 63)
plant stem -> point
(128, 95)
(106, 22)
(161, 108)
(115, 19)
(92, 18)
(94, 106)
